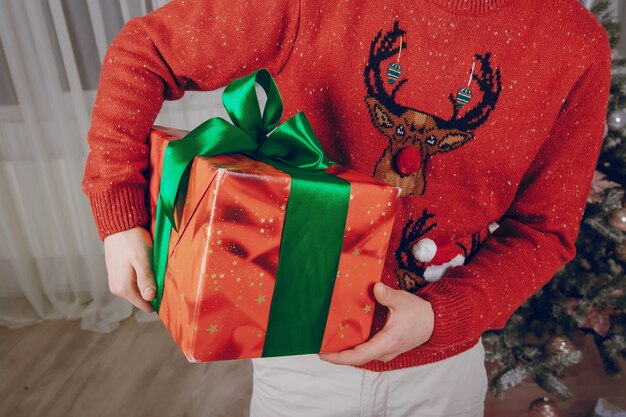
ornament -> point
(616, 120)
(465, 94)
(617, 220)
(394, 71)
(559, 345)
(543, 407)
(408, 160)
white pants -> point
(306, 386)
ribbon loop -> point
(242, 104)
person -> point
(487, 113)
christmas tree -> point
(588, 295)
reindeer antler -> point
(413, 229)
(382, 48)
(489, 83)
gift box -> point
(270, 250)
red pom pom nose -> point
(408, 160)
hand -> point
(128, 257)
(410, 323)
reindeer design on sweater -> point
(414, 136)
(422, 260)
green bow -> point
(317, 207)
(293, 142)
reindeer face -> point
(414, 128)
(414, 135)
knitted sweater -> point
(490, 117)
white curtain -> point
(51, 260)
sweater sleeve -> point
(184, 45)
(537, 234)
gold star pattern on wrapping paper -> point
(342, 327)
(212, 328)
(182, 296)
(271, 220)
(356, 252)
(260, 299)
(367, 308)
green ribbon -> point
(315, 217)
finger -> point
(145, 279)
(391, 297)
(135, 297)
(123, 283)
(376, 347)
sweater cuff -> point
(458, 313)
(119, 209)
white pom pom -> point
(424, 250)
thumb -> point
(145, 279)
(385, 295)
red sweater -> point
(519, 148)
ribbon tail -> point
(162, 232)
